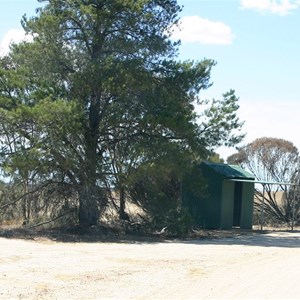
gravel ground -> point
(252, 266)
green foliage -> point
(99, 97)
(176, 222)
(154, 188)
(220, 123)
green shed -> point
(229, 199)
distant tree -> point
(273, 160)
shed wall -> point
(247, 205)
(211, 209)
(227, 204)
(224, 205)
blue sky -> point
(256, 44)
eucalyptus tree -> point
(273, 160)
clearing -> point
(250, 266)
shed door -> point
(237, 208)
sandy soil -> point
(256, 266)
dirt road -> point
(244, 267)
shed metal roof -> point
(230, 171)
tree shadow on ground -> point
(95, 234)
(99, 234)
(282, 239)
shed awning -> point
(262, 182)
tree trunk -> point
(90, 194)
(122, 214)
(26, 204)
(88, 206)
